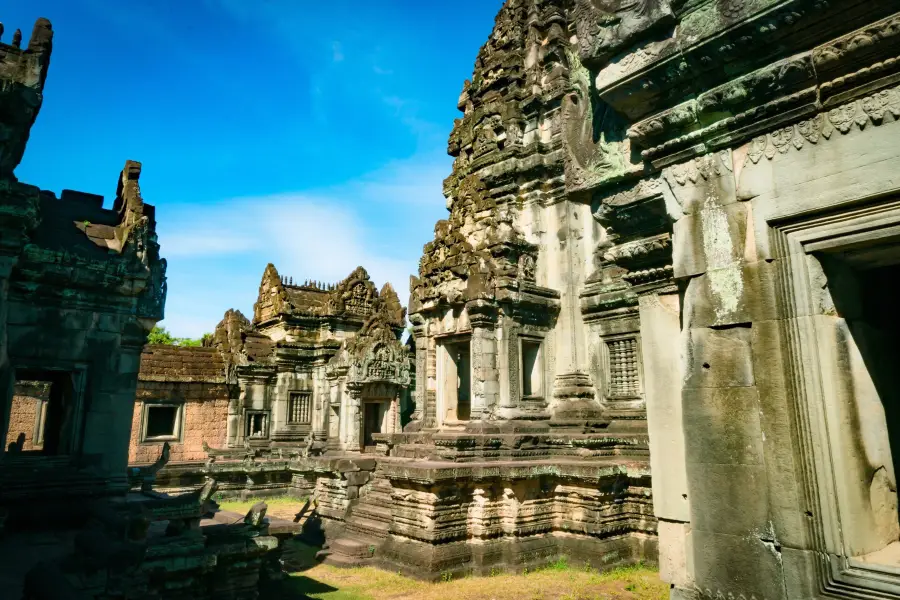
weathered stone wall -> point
(192, 379)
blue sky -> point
(307, 134)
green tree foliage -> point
(159, 335)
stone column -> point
(395, 412)
(353, 418)
(430, 410)
(322, 404)
(233, 433)
(732, 524)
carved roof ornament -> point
(272, 299)
(24, 73)
(240, 344)
(374, 355)
(356, 298)
(604, 27)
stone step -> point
(346, 562)
(374, 512)
(354, 548)
(365, 526)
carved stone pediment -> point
(606, 26)
(373, 355)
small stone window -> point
(162, 423)
(257, 425)
(623, 368)
(532, 368)
(300, 408)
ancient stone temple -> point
(321, 365)
(688, 206)
(529, 435)
(320, 368)
(81, 286)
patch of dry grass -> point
(280, 507)
(557, 582)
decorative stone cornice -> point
(872, 110)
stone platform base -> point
(512, 554)
(434, 518)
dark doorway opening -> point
(48, 422)
(862, 287)
(371, 422)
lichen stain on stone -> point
(724, 273)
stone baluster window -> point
(623, 368)
(300, 408)
(257, 425)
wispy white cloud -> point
(217, 252)
(337, 52)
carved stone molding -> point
(875, 110)
(702, 168)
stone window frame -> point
(268, 423)
(794, 241)
(176, 437)
(302, 396)
(607, 367)
(78, 371)
(527, 338)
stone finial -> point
(17, 39)
(41, 36)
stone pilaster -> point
(485, 376)
(508, 363)
(430, 380)
(419, 394)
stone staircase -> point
(365, 528)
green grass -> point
(239, 506)
(560, 580)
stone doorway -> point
(455, 381)
(374, 412)
(866, 329)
